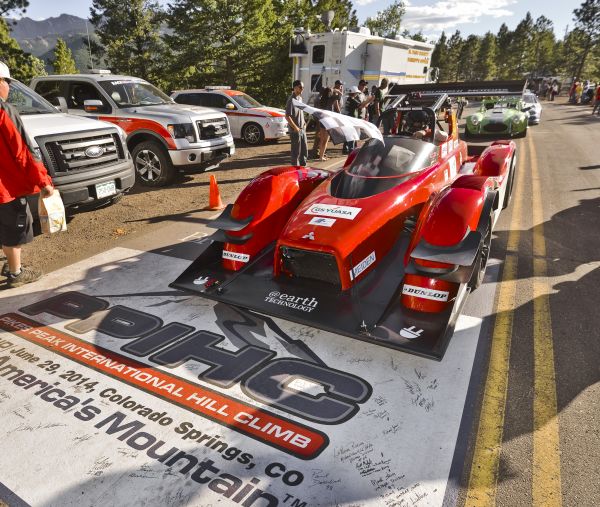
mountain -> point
(39, 37)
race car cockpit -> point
(415, 114)
(378, 166)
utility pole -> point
(89, 44)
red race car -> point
(385, 250)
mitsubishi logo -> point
(310, 235)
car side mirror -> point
(60, 103)
(94, 106)
(229, 106)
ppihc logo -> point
(269, 366)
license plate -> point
(105, 189)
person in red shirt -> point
(21, 174)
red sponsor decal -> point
(283, 434)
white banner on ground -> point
(115, 389)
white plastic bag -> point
(52, 213)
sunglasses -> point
(7, 80)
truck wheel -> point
(482, 259)
(152, 164)
(253, 133)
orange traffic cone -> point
(214, 196)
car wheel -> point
(510, 183)
(253, 133)
(482, 259)
(152, 164)
(467, 134)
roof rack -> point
(464, 89)
(218, 88)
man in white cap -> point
(21, 174)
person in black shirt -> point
(295, 119)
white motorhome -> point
(322, 58)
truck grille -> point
(213, 128)
(309, 264)
(76, 152)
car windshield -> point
(505, 105)
(530, 98)
(27, 101)
(128, 93)
(245, 100)
(381, 166)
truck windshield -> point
(246, 101)
(27, 101)
(134, 93)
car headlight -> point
(516, 120)
(474, 121)
(182, 131)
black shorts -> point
(16, 224)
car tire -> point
(467, 134)
(510, 183)
(522, 134)
(481, 261)
(253, 134)
(153, 167)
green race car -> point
(498, 117)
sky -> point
(430, 16)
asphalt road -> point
(536, 442)
(532, 423)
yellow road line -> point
(486, 456)
(546, 480)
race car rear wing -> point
(464, 89)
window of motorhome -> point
(318, 53)
(316, 83)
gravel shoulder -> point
(146, 210)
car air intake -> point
(310, 264)
(66, 153)
(213, 128)
(495, 127)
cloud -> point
(364, 2)
(447, 14)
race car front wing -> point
(371, 311)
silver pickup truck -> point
(88, 160)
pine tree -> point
(129, 34)
(587, 20)
(520, 45)
(485, 63)
(439, 58)
(344, 14)
(222, 42)
(503, 44)
(455, 44)
(63, 62)
(23, 66)
(12, 5)
(467, 58)
(542, 44)
(387, 22)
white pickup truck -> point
(164, 137)
(88, 160)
